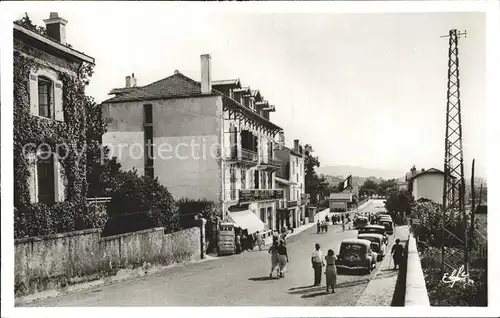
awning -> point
(247, 220)
(284, 181)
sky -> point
(363, 89)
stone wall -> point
(56, 261)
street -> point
(241, 280)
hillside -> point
(360, 172)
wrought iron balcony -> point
(239, 154)
(250, 195)
(272, 162)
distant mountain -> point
(360, 172)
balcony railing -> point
(272, 162)
(239, 154)
(260, 195)
(292, 204)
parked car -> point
(372, 228)
(388, 225)
(356, 254)
(360, 222)
(377, 243)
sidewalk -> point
(380, 290)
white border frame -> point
(7, 10)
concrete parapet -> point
(416, 291)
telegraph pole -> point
(454, 182)
(473, 207)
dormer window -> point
(45, 97)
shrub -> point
(40, 219)
(138, 203)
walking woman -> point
(273, 250)
(331, 271)
(282, 258)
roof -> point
(54, 44)
(340, 196)
(374, 226)
(370, 235)
(228, 82)
(428, 171)
(177, 85)
(356, 241)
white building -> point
(426, 184)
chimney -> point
(56, 28)
(206, 76)
(133, 81)
(296, 145)
(281, 139)
(128, 81)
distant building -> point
(426, 184)
(338, 202)
(291, 210)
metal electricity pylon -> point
(454, 182)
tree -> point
(387, 186)
(369, 188)
(314, 185)
(399, 203)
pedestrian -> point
(273, 250)
(283, 238)
(282, 258)
(397, 254)
(386, 239)
(243, 242)
(317, 264)
(318, 226)
(238, 243)
(327, 219)
(258, 238)
(326, 227)
(331, 271)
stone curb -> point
(416, 291)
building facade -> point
(426, 184)
(339, 202)
(290, 178)
(51, 57)
(208, 139)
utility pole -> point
(454, 182)
(473, 207)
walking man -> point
(317, 264)
(397, 254)
(258, 237)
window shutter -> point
(58, 180)
(33, 89)
(32, 180)
(58, 101)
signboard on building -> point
(260, 195)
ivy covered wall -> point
(40, 219)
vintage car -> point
(360, 222)
(388, 225)
(356, 254)
(378, 244)
(372, 228)
(383, 216)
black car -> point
(379, 229)
(388, 226)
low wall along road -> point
(60, 260)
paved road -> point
(237, 280)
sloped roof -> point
(428, 171)
(177, 85)
(340, 196)
(228, 82)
